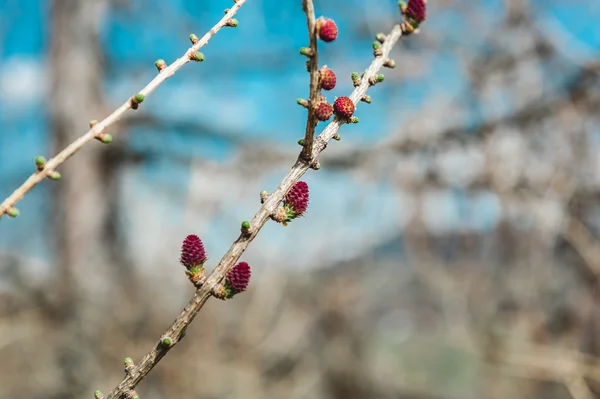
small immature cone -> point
(328, 79)
(237, 279)
(323, 111)
(295, 203)
(193, 257)
(327, 30)
(343, 107)
(416, 11)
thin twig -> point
(176, 331)
(313, 68)
(101, 126)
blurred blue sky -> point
(254, 73)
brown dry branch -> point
(271, 202)
(100, 127)
(313, 68)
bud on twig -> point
(160, 64)
(13, 212)
(245, 227)
(136, 100)
(166, 342)
(233, 23)
(129, 366)
(373, 80)
(381, 37)
(263, 196)
(389, 63)
(98, 395)
(193, 38)
(355, 79)
(40, 162)
(366, 99)
(307, 51)
(197, 56)
(303, 102)
(377, 50)
(54, 175)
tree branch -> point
(313, 68)
(177, 330)
(101, 126)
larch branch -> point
(101, 126)
(177, 330)
(313, 68)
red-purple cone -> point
(296, 201)
(238, 279)
(192, 252)
(416, 10)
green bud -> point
(337, 137)
(197, 56)
(245, 225)
(13, 212)
(303, 102)
(232, 23)
(306, 51)
(55, 176)
(355, 76)
(317, 166)
(379, 77)
(389, 63)
(98, 395)
(301, 142)
(166, 342)
(381, 37)
(402, 5)
(128, 361)
(354, 119)
(160, 64)
(193, 38)
(107, 138)
(376, 45)
(40, 162)
(366, 99)
(139, 98)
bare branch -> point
(313, 68)
(101, 126)
(177, 330)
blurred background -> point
(452, 245)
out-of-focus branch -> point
(313, 68)
(96, 130)
(177, 330)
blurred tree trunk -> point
(80, 198)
